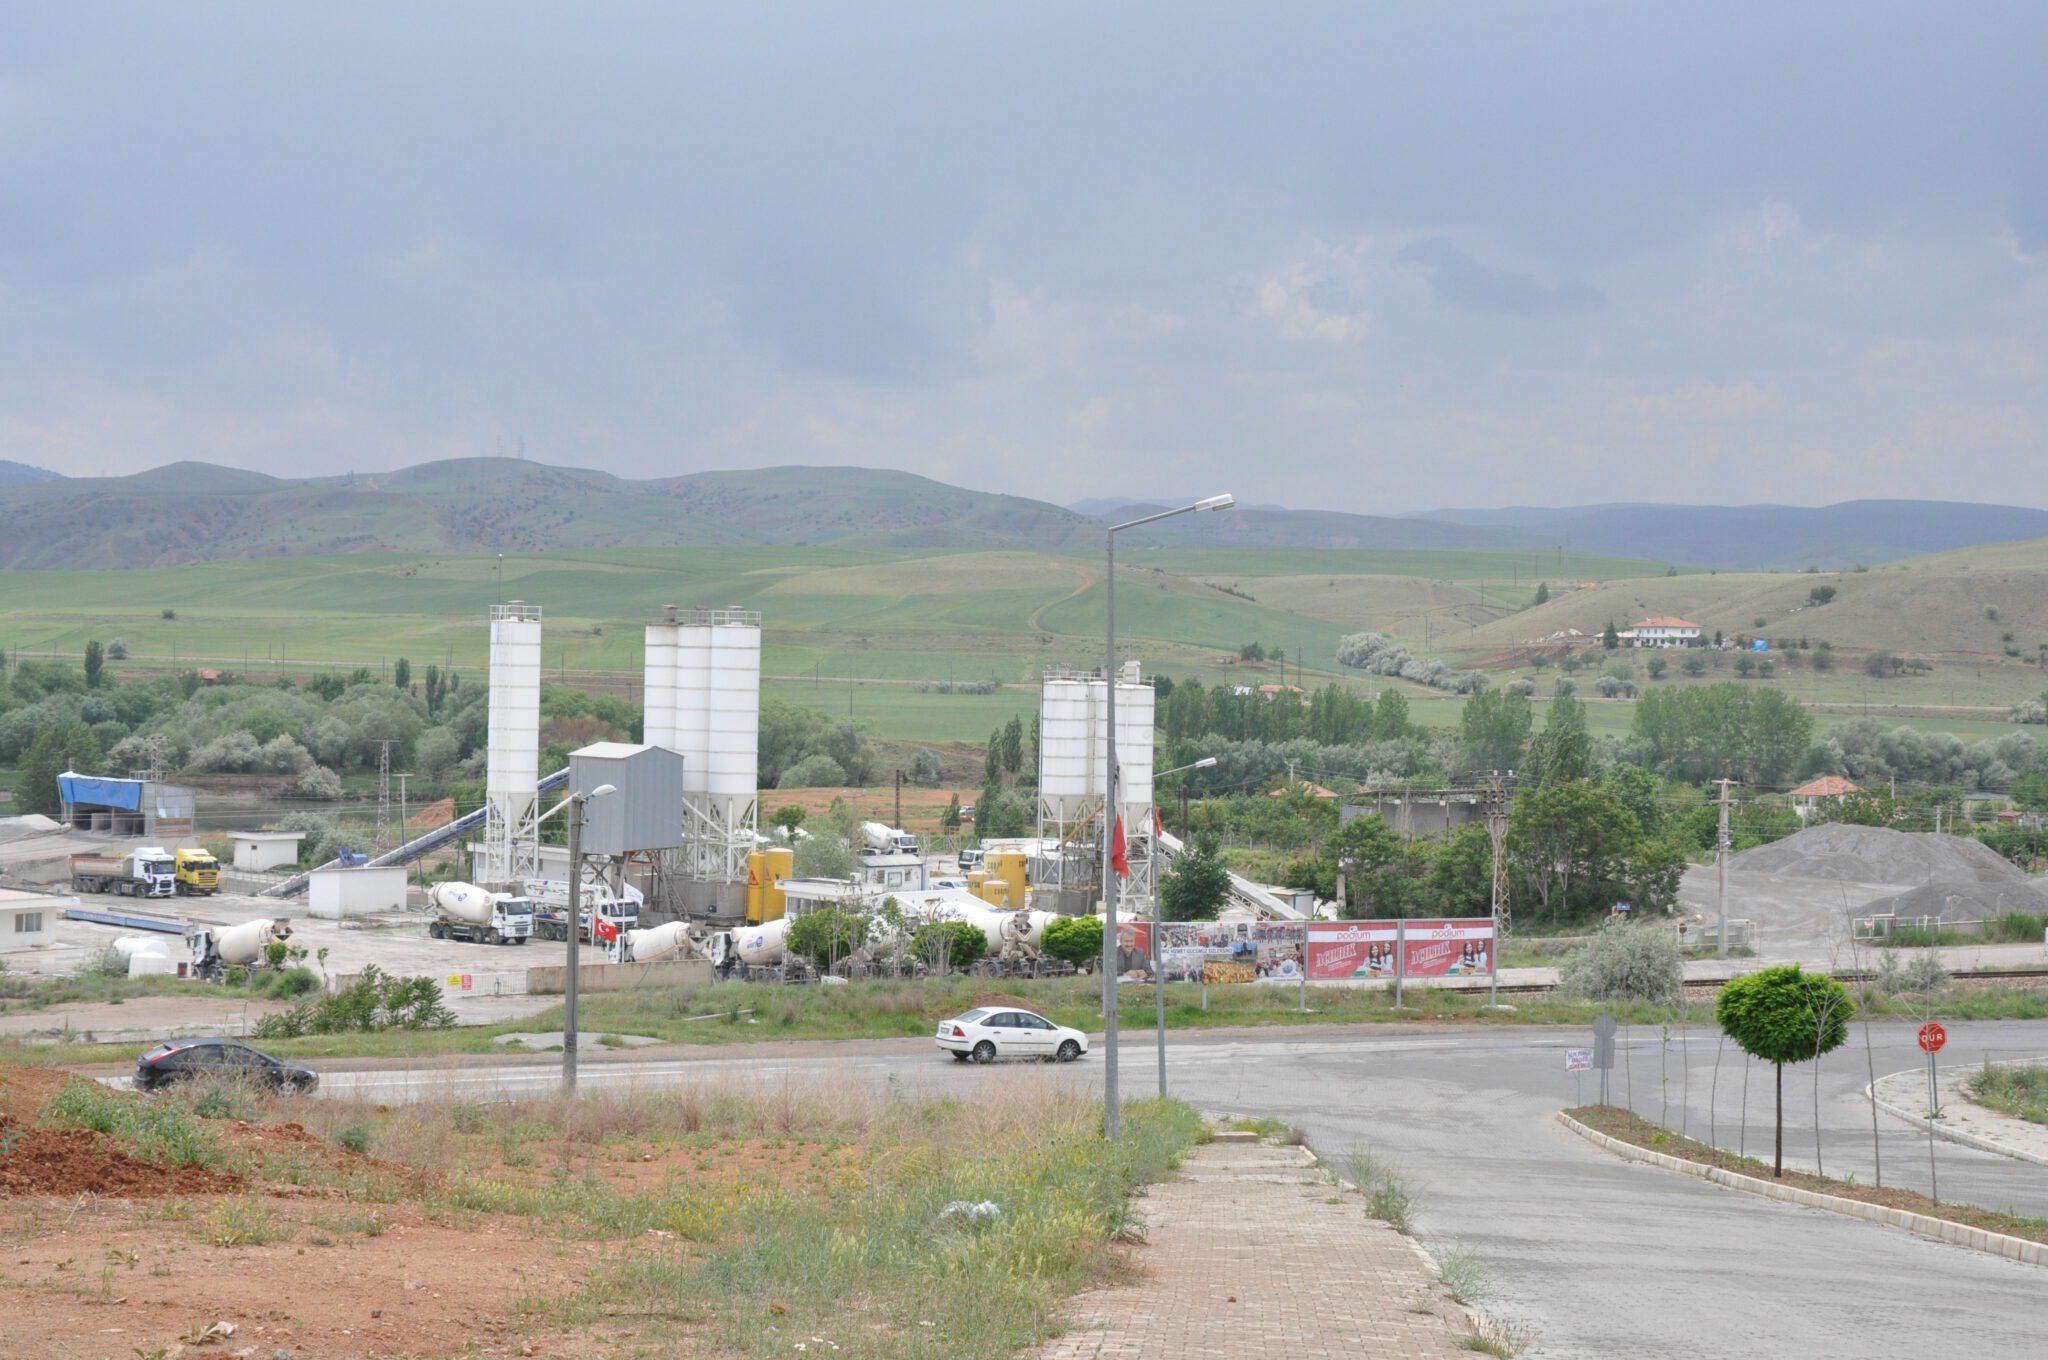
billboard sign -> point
(1215, 952)
(1339, 950)
(1448, 948)
(1351, 949)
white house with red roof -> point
(1827, 788)
(1663, 631)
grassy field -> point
(720, 1220)
(870, 633)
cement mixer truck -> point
(215, 949)
(463, 911)
(671, 941)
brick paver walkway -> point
(1246, 1254)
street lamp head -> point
(601, 790)
(1204, 763)
(1222, 502)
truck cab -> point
(197, 872)
(154, 872)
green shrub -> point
(374, 1001)
(827, 935)
(1625, 962)
(1074, 939)
(356, 1137)
(949, 944)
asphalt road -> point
(1590, 1255)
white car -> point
(990, 1032)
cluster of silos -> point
(1001, 881)
(1073, 778)
(512, 770)
(703, 701)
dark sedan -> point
(226, 1059)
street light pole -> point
(570, 985)
(1111, 1116)
(1158, 933)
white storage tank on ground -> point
(127, 947)
(692, 701)
(658, 710)
(734, 717)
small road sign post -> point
(1932, 1037)
(1578, 1061)
(1603, 1050)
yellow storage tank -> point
(780, 865)
(1006, 867)
(757, 871)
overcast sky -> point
(1374, 258)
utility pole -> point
(403, 816)
(383, 787)
(899, 801)
(1497, 832)
(1721, 866)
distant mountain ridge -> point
(1760, 537)
(21, 474)
(193, 511)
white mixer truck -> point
(671, 941)
(463, 911)
(215, 949)
(883, 839)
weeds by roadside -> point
(2017, 1089)
(1388, 1196)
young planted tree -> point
(1197, 885)
(1784, 1015)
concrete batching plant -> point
(1073, 743)
(703, 701)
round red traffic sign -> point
(1932, 1037)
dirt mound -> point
(1963, 901)
(1877, 854)
(79, 1161)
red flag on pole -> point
(1119, 857)
(1158, 822)
(605, 930)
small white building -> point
(1663, 631)
(28, 920)
(337, 894)
(259, 852)
(892, 870)
(803, 895)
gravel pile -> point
(1964, 901)
(1876, 854)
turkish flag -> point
(1158, 822)
(604, 930)
(1119, 857)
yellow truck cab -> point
(198, 873)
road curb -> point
(1920, 1225)
(1942, 1131)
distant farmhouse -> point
(1663, 631)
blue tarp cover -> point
(116, 793)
